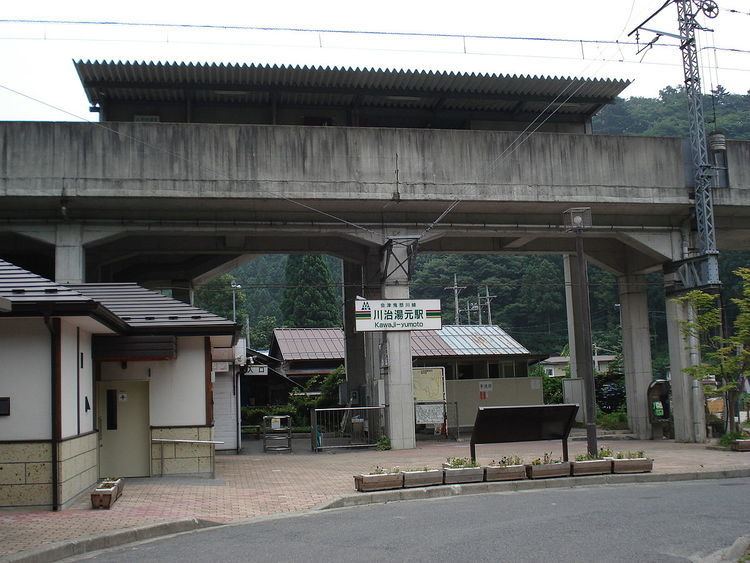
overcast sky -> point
(36, 59)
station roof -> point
(347, 87)
(463, 340)
(150, 312)
(23, 293)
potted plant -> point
(380, 479)
(107, 492)
(546, 466)
(599, 464)
(632, 462)
(462, 470)
(422, 477)
(508, 468)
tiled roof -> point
(20, 288)
(339, 86)
(150, 311)
(470, 340)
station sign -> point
(397, 314)
(257, 369)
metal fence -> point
(443, 415)
(346, 427)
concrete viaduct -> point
(175, 203)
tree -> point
(260, 333)
(216, 297)
(723, 357)
(309, 298)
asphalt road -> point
(644, 522)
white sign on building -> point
(397, 314)
(257, 369)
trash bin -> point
(659, 412)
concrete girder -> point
(228, 266)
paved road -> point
(654, 522)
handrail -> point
(165, 440)
(349, 408)
(212, 455)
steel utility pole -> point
(456, 290)
(702, 270)
(479, 305)
(489, 299)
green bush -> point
(727, 439)
(252, 416)
(616, 420)
(552, 390)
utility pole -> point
(235, 287)
(479, 305)
(489, 299)
(456, 290)
(701, 270)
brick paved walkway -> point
(259, 484)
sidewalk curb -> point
(442, 491)
(80, 546)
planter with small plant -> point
(462, 470)
(739, 441)
(741, 445)
(509, 468)
(546, 467)
(632, 462)
(599, 464)
(422, 477)
(380, 479)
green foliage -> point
(328, 385)
(261, 332)
(627, 454)
(216, 297)
(461, 462)
(546, 459)
(383, 444)
(552, 390)
(508, 460)
(309, 299)
(726, 358)
(616, 420)
(603, 453)
(727, 439)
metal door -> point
(124, 433)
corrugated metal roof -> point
(337, 86)
(310, 343)
(470, 340)
(147, 310)
(20, 287)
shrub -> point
(552, 390)
(727, 439)
(461, 462)
(617, 420)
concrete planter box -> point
(463, 475)
(504, 472)
(591, 467)
(378, 482)
(638, 465)
(741, 445)
(423, 478)
(106, 493)
(548, 470)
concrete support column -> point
(687, 393)
(636, 351)
(372, 341)
(354, 342)
(70, 256)
(398, 362)
(570, 274)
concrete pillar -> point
(70, 256)
(576, 388)
(354, 342)
(182, 290)
(688, 401)
(398, 362)
(569, 271)
(636, 351)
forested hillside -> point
(529, 295)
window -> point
(494, 370)
(549, 372)
(466, 371)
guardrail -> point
(212, 453)
(346, 427)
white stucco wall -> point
(177, 388)
(25, 378)
(87, 383)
